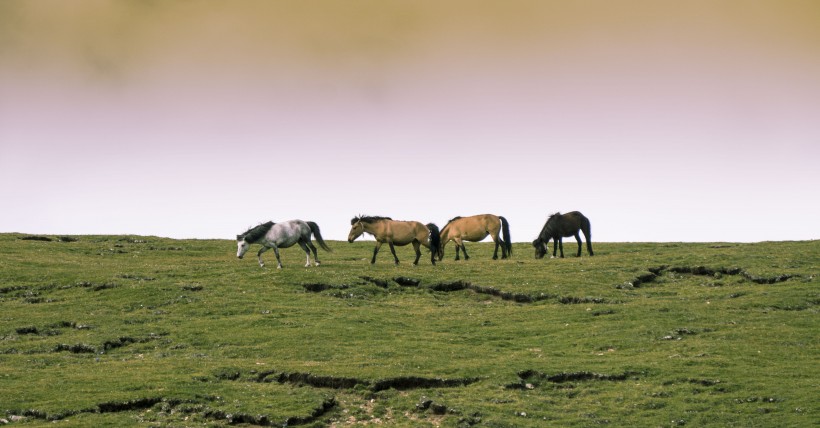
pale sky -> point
(659, 120)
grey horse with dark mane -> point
(281, 235)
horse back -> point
(402, 232)
(473, 228)
(563, 225)
(287, 233)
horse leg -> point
(278, 260)
(561, 246)
(498, 243)
(259, 255)
(459, 245)
(375, 251)
(393, 250)
(554, 246)
(417, 247)
(307, 253)
(578, 238)
(315, 254)
(589, 242)
(464, 250)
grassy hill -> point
(127, 330)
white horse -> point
(281, 235)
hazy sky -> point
(659, 120)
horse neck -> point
(372, 228)
(445, 233)
(264, 238)
(550, 229)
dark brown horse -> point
(559, 226)
(474, 229)
(393, 232)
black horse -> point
(559, 226)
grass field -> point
(132, 330)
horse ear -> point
(239, 237)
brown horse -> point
(559, 226)
(393, 232)
(474, 229)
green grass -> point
(130, 330)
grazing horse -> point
(392, 232)
(559, 226)
(281, 235)
(474, 229)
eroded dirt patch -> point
(460, 285)
(334, 382)
(655, 272)
(168, 405)
(530, 379)
(108, 345)
(319, 287)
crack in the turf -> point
(655, 272)
(333, 382)
(199, 408)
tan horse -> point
(392, 232)
(474, 229)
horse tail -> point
(315, 229)
(587, 229)
(505, 229)
(435, 238)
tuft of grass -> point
(126, 330)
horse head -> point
(540, 248)
(356, 230)
(241, 246)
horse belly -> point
(402, 240)
(405, 233)
(474, 236)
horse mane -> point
(554, 221)
(367, 219)
(253, 234)
(452, 220)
